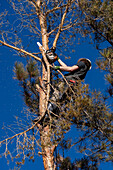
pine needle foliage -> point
(59, 24)
(28, 76)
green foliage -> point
(88, 111)
(97, 20)
(86, 163)
(98, 15)
(85, 110)
(28, 77)
(20, 72)
(81, 164)
(65, 144)
(106, 64)
(32, 68)
(66, 164)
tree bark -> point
(47, 149)
(47, 145)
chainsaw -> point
(50, 54)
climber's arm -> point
(61, 62)
(66, 68)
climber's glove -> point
(58, 58)
(56, 67)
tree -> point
(97, 18)
(56, 23)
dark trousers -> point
(59, 94)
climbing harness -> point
(72, 81)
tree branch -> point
(21, 133)
(65, 81)
(100, 33)
(61, 25)
(32, 2)
(64, 28)
(69, 25)
(83, 138)
(21, 50)
(53, 31)
(55, 9)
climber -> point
(76, 72)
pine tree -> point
(56, 23)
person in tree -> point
(76, 72)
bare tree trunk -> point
(47, 149)
(47, 145)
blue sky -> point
(11, 100)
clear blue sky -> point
(11, 100)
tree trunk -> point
(47, 149)
(47, 145)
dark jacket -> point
(78, 74)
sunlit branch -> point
(55, 9)
(32, 2)
(53, 31)
(69, 26)
(61, 25)
(35, 4)
(64, 28)
(21, 50)
(21, 133)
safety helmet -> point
(86, 61)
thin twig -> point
(55, 9)
(21, 133)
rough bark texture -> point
(47, 147)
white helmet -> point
(87, 61)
